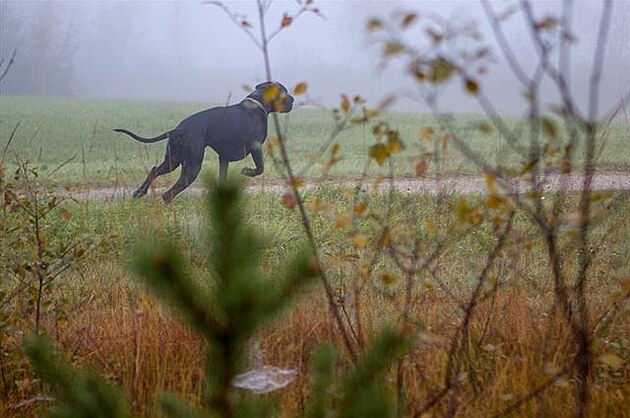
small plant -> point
(35, 251)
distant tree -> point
(47, 41)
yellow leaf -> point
(491, 182)
(300, 89)
(393, 48)
(297, 182)
(409, 19)
(271, 93)
(385, 240)
(388, 278)
(394, 144)
(472, 87)
(343, 220)
(345, 103)
(431, 226)
(441, 70)
(315, 205)
(547, 23)
(484, 127)
(425, 133)
(494, 201)
(611, 360)
(360, 241)
(364, 271)
(360, 208)
(374, 24)
(379, 153)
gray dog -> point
(232, 131)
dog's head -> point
(273, 96)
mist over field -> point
(182, 50)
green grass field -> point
(104, 319)
(55, 131)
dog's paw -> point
(250, 172)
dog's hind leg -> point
(190, 171)
(170, 163)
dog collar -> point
(256, 103)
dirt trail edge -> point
(614, 180)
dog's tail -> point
(142, 139)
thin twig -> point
(9, 64)
(306, 223)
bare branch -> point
(241, 23)
(598, 60)
(566, 38)
(506, 49)
(9, 64)
(543, 52)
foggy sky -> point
(186, 51)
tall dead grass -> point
(516, 346)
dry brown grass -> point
(517, 341)
(515, 346)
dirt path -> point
(617, 180)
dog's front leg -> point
(223, 168)
(257, 156)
